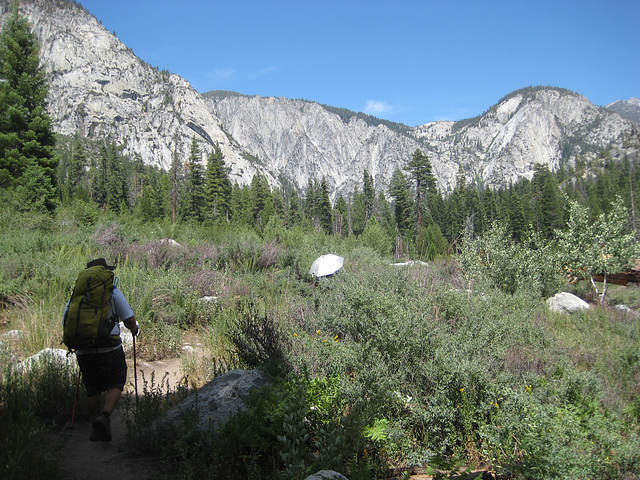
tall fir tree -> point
(27, 159)
(358, 212)
(420, 170)
(369, 192)
(261, 201)
(176, 175)
(324, 207)
(193, 202)
(218, 185)
(116, 183)
(400, 191)
(517, 222)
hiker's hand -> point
(135, 331)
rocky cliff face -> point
(528, 127)
(100, 89)
(629, 109)
(300, 139)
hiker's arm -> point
(131, 324)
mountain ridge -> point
(100, 89)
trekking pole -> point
(135, 367)
(75, 400)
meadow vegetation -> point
(380, 367)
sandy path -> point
(82, 459)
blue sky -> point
(407, 61)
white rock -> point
(566, 302)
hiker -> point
(100, 353)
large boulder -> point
(220, 399)
(565, 302)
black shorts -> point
(102, 371)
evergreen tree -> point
(403, 205)
(240, 205)
(218, 185)
(546, 201)
(369, 193)
(116, 183)
(261, 201)
(384, 214)
(324, 207)
(517, 222)
(358, 212)
(27, 159)
(420, 170)
(193, 203)
(311, 198)
(176, 174)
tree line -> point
(410, 218)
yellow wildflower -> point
(528, 388)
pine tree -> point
(369, 195)
(116, 185)
(420, 170)
(193, 201)
(218, 185)
(403, 205)
(27, 159)
(517, 222)
(324, 207)
(358, 212)
(261, 201)
(176, 175)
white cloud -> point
(377, 107)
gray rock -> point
(55, 354)
(326, 475)
(220, 399)
(566, 302)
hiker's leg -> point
(95, 406)
(111, 398)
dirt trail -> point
(81, 459)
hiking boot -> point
(101, 430)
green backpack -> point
(86, 322)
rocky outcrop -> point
(217, 401)
(629, 109)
